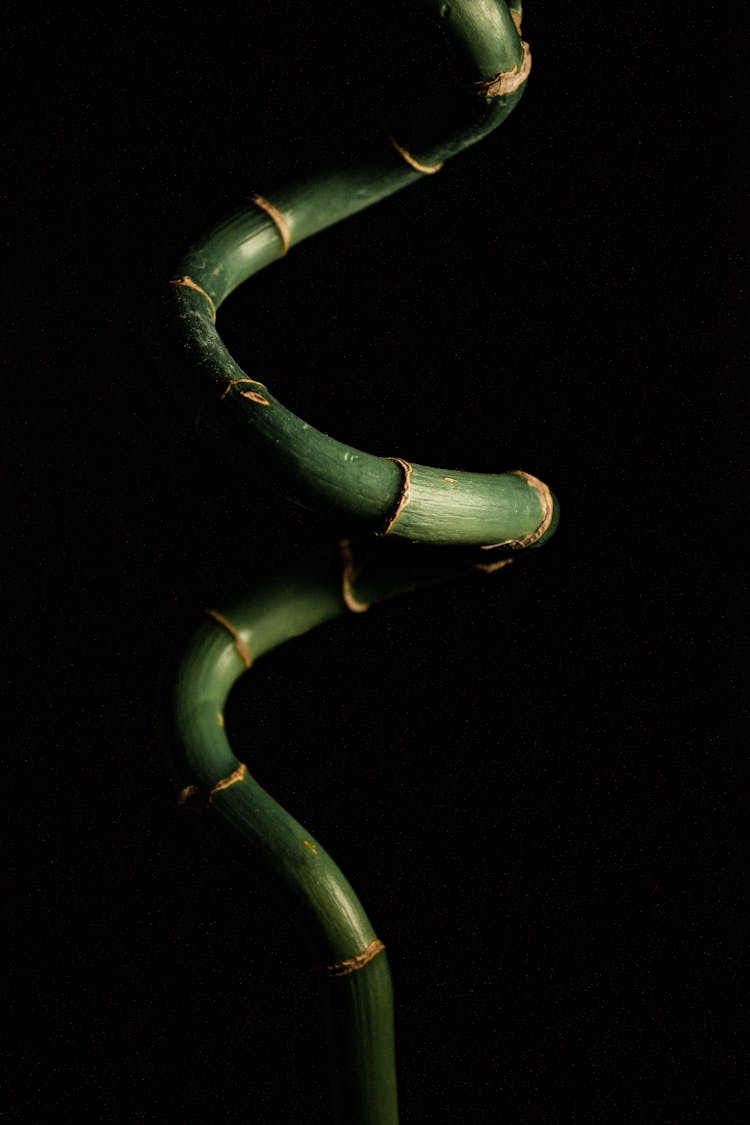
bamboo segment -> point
(420, 524)
(229, 641)
(357, 489)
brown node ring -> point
(188, 283)
(348, 575)
(193, 797)
(404, 496)
(417, 165)
(279, 220)
(354, 964)
(507, 81)
(239, 383)
(548, 507)
(239, 642)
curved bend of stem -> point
(385, 495)
(291, 602)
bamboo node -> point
(279, 220)
(548, 507)
(188, 283)
(507, 81)
(239, 382)
(353, 964)
(239, 642)
(348, 576)
(417, 165)
(404, 496)
(255, 397)
(193, 797)
(232, 779)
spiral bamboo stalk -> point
(444, 512)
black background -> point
(529, 778)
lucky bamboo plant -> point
(450, 521)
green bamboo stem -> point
(334, 582)
(357, 489)
(443, 511)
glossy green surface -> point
(374, 496)
(308, 593)
(356, 488)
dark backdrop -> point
(528, 778)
